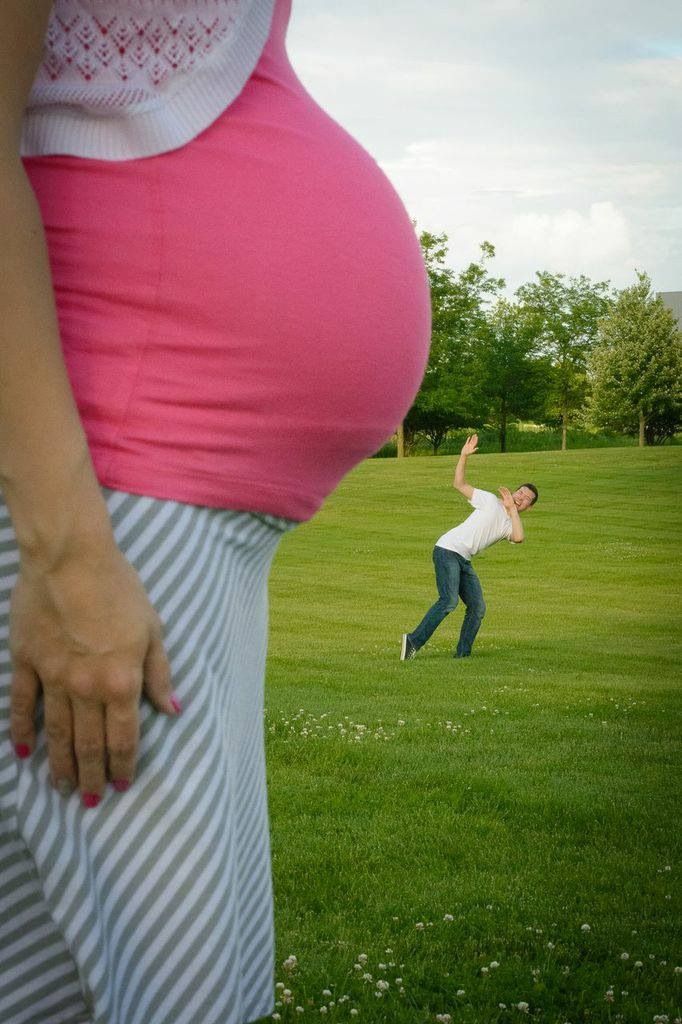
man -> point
(455, 577)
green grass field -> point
(444, 831)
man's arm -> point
(513, 512)
(469, 447)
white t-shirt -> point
(489, 523)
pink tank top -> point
(245, 318)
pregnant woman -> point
(213, 305)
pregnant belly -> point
(298, 263)
(259, 293)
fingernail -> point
(121, 785)
(65, 787)
(176, 704)
(22, 749)
(91, 799)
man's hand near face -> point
(513, 513)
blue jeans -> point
(455, 578)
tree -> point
(448, 393)
(636, 367)
(569, 313)
(513, 377)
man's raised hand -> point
(470, 445)
(507, 499)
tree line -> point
(565, 351)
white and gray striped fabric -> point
(155, 907)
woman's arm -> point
(46, 474)
(82, 629)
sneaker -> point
(406, 649)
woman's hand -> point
(87, 633)
(470, 445)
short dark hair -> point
(533, 488)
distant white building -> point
(673, 300)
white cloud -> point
(595, 243)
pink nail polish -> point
(120, 785)
(176, 704)
(22, 749)
(91, 799)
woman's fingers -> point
(89, 745)
(59, 733)
(122, 740)
(24, 690)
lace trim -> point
(133, 54)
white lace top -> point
(130, 78)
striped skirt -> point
(156, 906)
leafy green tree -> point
(513, 377)
(448, 393)
(636, 367)
(569, 312)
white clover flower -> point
(299, 1009)
(398, 981)
(323, 1009)
(609, 995)
(494, 963)
(420, 925)
(326, 992)
(522, 1006)
(585, 928)
(638, 963)
(625, 956)
(276, 1016)
(484, 970)
(366, 976)
(354, 1012)
(443, 1018)
(678, 970)
(550, 945)
(383, 985)
(448, 917)
(280, 984)
(502, 1006)
(460, 992)
(362, 958)
(382, 967)
(624, 992)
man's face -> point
(523, 498)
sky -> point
(551, 129)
